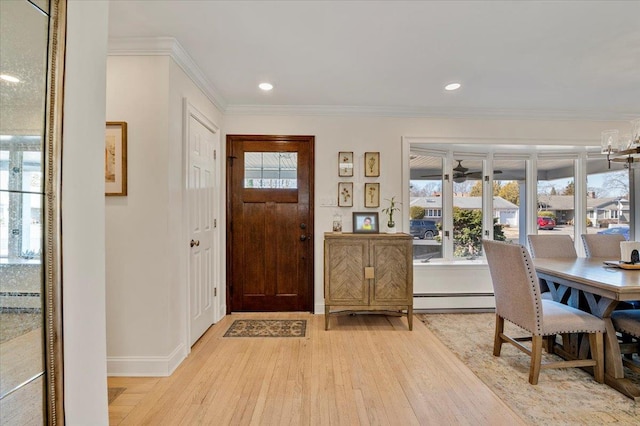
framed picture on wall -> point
(345, 194)
(345, 164)
(372, 195)
(115, 158)
(372, 164)
(365, 223)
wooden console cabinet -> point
(368, 272)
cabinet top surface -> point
(335, 235)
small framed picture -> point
(365, 223)
(345, 164)
(115, 155)
(371, 164)
(372, 195)
(345, 194)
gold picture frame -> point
(372, 195)
(372, 164)
(345, 194)
(115, 158)
(345, 163)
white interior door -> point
(201, 189)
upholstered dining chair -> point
(515, 285)
(607, 245)
(553, 246)
(602, 245)
(627, 323)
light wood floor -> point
(368, 369)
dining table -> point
(596, 285)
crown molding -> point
(428, 112)
(167, 46)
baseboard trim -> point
(146, 366)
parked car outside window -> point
(621, 230)
(423, 228)
(545, 222)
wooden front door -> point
(269, 223)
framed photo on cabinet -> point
(115, 156)
(365, 223)
(345, 164)
(372, 195)
(372, 164)
(345, 194)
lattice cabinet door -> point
(345, 262)
(392, 262)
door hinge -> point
(486, 178)
(215, 223)
(231, 158)
(214, 154)
(215, 291)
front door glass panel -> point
(272, 170)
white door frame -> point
(189, 110)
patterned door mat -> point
(267, 328)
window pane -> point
(467, 208)
(271, 170)
(556, 202)
(607, 197)
(509, 189)
(426, 206)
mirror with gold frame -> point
(32, 35)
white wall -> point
(384, 134)
(137, 250)
(83, 248)
(145, 247)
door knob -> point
(195, 243)
(303, 237)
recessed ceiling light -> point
(9, 78)
(452, 86)
(265, 86)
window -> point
(21, 205)
(467, 207)
(506, 192)
(509, 195)
(607, 195)
(278, 170)
(425, 221)
(556, 196)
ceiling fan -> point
(461, 173)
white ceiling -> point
(576, 59)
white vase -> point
(391, 230)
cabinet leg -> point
(410, 317)
(326, 317)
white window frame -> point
(494, 150)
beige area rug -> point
(14, 324)
(267, 328)
(561, 397)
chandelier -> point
(622, 148)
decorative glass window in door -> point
(271, 170)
